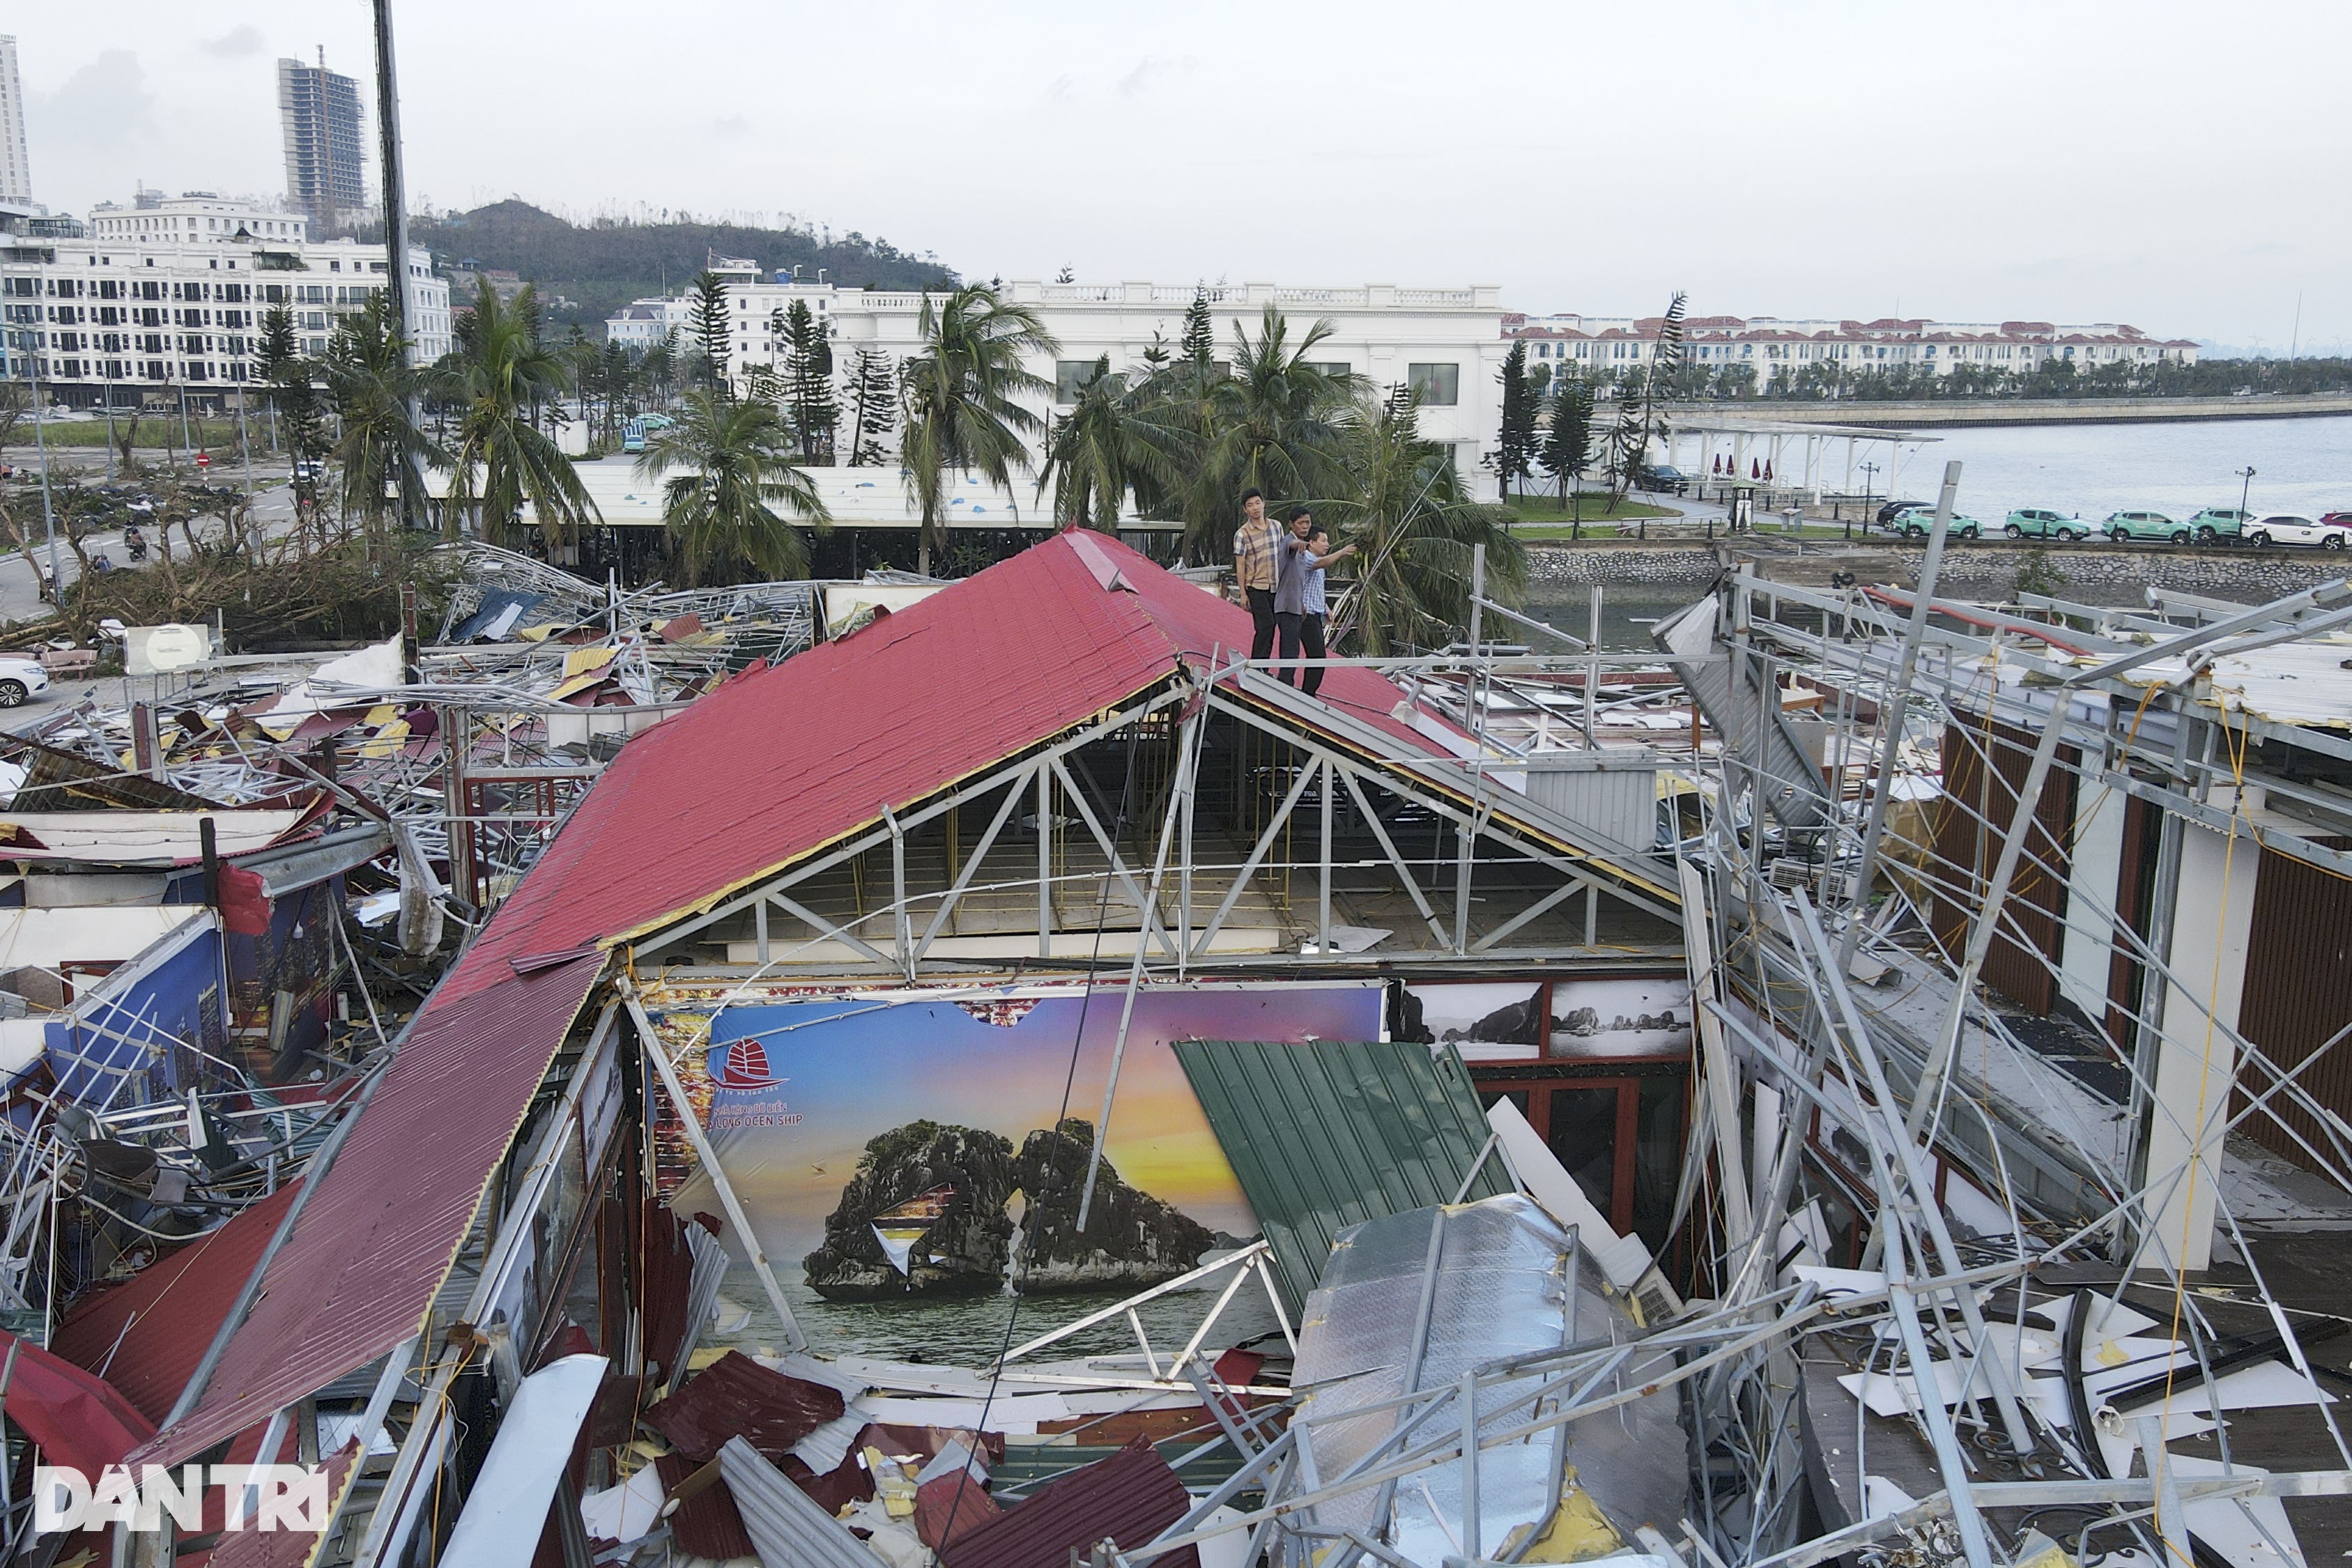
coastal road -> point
(20, 591)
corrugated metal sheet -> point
(787, 1529)
(780, 762)
(378, 1236)
(1968, 849)
(149, 1332)
(77, 1417)
(2298, 993)
(1613, 793)
(707, 1524)
(735, 1397)
(1328, 1135)
(1128, 1498)
(282, 1548)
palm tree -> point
(1278, 423)
(1414, 529)
(1106, 446)
(495, 378)
(371, 386)
(962, 393)
(738, 457)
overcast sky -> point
(2179, 167)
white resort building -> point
(166, 295)
(1447, 343)
(1611, 344)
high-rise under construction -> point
(319, 112)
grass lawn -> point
(155, 430)
(1595, 508)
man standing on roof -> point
(1298, 602)
(1256, 551)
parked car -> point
(2125, 526)
(2034, 523)
(1895, 508)
(2220, 524)
(2294, 528)
(21, 678)
(1660, 478)
(1918, 521)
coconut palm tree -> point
(495, 379)
(1278, 423)
(962, 393)
(737, 461)
(1405, 510)
(1107, 445)
(370, 385)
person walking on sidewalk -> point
(1257, 548)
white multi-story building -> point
(166, 296)
(1446, 343)
(1611, 344)
(15, 168)
(641, 323)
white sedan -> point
(2293, 528)
(21, 678)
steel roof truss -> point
(1024, 764)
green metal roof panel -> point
(1330, 1133)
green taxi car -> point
(2034, 523)
(2125, 526)
(2220, 524)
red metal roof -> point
(358, 1273)
(1128, 1498)
(147, 1334)
(251, 1548)
(735, 1397)
(707, 1524)
(79, 1421)
(778, 763)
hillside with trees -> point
(602, 265)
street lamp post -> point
(2246, 490)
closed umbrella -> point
(1755, 469)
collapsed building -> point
(1016, 1081)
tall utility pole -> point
(41, 444)
(395, 228)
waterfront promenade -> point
(1997, 411)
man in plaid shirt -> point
(1256, 552)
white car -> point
(2293, 528)
(21, 678)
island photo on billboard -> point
(1500, 1021)
(1620, 1017)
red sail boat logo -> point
(743, 1064)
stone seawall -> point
(1986, 571)
(1550, 564)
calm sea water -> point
(2300, 465)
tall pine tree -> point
(1199, 341)
(287, 375)
(808, 383)
(708, 319)
(874, 408)
(1515, 443)
(1567, 444)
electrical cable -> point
(1019, 1272)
